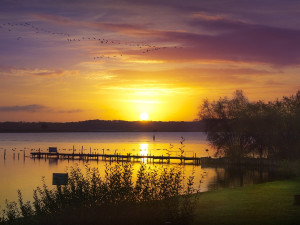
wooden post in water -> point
(4, 154)
(73, 152)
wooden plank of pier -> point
(114, 157)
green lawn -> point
(267, 203)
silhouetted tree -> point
(237, 127)
(224, 131)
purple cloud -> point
(35, 108)
(235, 41)
(215, 34)
(23, 108)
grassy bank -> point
(268, 203)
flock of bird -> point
(141, 47)
(16, 26)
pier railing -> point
(116, 157)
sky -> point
(63, 60)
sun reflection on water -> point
(144, 151)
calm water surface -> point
(25, 173)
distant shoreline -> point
(101, 131)
(101, 126)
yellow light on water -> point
(144, 149)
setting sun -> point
(144, 116)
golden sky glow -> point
(106, 60)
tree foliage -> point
(238, 128)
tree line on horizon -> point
(238, 128)
(102, 125)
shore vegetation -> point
(114, 198)
(239, 128)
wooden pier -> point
(116, 157)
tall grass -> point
(157, 196)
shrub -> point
(114, 199)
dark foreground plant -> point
(158, 196)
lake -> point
(25, 173)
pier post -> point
(73, 152)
